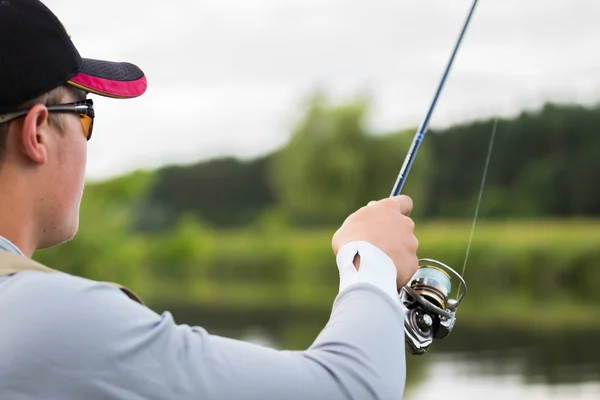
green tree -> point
(319, 175)
(333, 166)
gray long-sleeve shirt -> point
(65, 337)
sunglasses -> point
(85, 109)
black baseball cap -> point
(37, 55)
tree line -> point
(545, 164)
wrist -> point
(363, 262)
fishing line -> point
(480, 195)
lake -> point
(474, 362)
(509, 363)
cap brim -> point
(110, 79)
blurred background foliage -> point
(228, 242)
(259, 231)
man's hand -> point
(386, 225)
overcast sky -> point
(227, 77)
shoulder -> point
(58, 309)
(43, 290)
(60, 331)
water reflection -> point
(558, 356)
(493, 362)
(509, 363)
(450, 377)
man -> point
(65, 337)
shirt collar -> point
(7, 245)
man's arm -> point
(69, 338)
(75, 338)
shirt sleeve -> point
(70, 338)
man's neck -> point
(13, 237)
(17, 223)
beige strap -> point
(11, 264)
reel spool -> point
(431, 312)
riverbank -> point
(542, 272)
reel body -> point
(431, 312)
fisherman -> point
(65, 337)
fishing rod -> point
(431, 312)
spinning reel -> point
(431, 312)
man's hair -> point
(50, 98)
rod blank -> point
(420, 135)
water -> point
(510, 363)
(492, 362)
(449, 377)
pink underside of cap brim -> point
(109, 88)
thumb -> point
(404, 203)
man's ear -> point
(34, 134)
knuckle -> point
(389, 202)
(368, 208)
(406, 223)
(359, 211)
